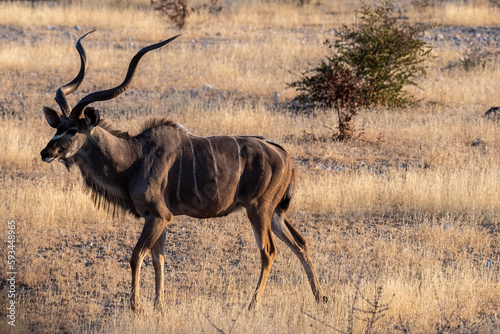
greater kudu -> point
(166, 171)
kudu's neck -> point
(106, 163)
(105, 153)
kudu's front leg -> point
(151, 233)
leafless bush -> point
(179, 10)
(374, 309)
(475, 57)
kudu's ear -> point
(53, 117)
(91, 116)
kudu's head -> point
(75, 124)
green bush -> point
(386, 50)
(379, 56)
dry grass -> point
(449, 13)
(409, 208)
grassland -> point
(405, 214)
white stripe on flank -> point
(239, 165)
(179, 180)
(194, 170)
(274, 148)
(180, 166)
(280, 176)
(215, 167)
(263, 153)
(239, 157)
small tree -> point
(381, 53)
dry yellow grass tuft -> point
(406, 213)
(456, 13)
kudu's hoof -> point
(158, 308)
(252, 306)
(135, 307)
(322, 299)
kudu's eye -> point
(71, 132)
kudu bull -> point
(165, 171)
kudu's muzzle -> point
(48, 155)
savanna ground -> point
(402, 220)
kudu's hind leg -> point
(153, 228)
(264, 238)
(158, 259)
(293, 239)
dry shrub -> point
(179, 10)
